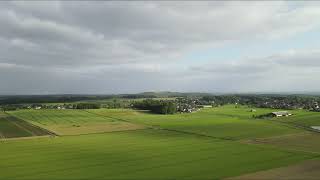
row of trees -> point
(87, 106)
(156, 106)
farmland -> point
(222, 122)
(73, 122)
(213, 143)
(304, 170)
(12, 127)
(141, 154)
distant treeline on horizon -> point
(67, 98)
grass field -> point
(307, 141)
(222, 122)
(73, 122)
(141, 154)
(213, 143)
(12, 127)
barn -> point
(281, 114)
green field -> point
(141, 154)
(222, 122)
(12, 127)
(213, 143)
(73, 122)
(303, 118)
(307, 141)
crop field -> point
(305, 170)
(213, 143)
(73, 122)
(222, 122)
(141, 154)
(12, 127)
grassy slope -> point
(73, 122)
(222, 122)
(142, 154)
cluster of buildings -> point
(282, 104)
(48, 106)
(281, 114)
(187, 105)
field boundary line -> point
(195, 134)
(21, 127)
(120, 119)
(297, 126)
(84, 134)
(26, 138)
(166, 129)
(36, 126)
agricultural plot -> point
(141, 154)
(222, 122)
(307, 141)
(73, 122)
(208, 144)
(305, 170)
(12, 127)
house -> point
(281, 114)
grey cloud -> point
(302, 59)
(113, 46)
(84, 33)
(294, 58)
(295, 69)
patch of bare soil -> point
(308, 170)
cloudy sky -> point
(127, 47)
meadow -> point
(73, 122)
(213, 143)
(225, 122)
(141, 154)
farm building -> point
(281, 114)
(316, 127)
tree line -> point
(156, 106)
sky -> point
(112, 47)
